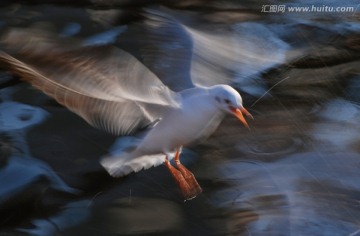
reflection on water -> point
(298, 194)
(296, 172)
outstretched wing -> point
(164, 47)
(106, 86)
(184, 55)
(167, 50)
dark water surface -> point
(296, 172)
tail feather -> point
(127, 163)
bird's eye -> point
(227, 101)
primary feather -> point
(115, 93)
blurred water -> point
(296, 172)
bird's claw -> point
(186, 181)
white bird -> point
(113, 91)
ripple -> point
(271, 144)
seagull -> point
(113, 91)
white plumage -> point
(114, 91)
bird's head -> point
(229, 100)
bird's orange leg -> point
(180, 180)
(188, 176)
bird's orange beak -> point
(239, 114)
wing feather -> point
(167, 50)
(113, 95)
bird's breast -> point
(185, 125)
